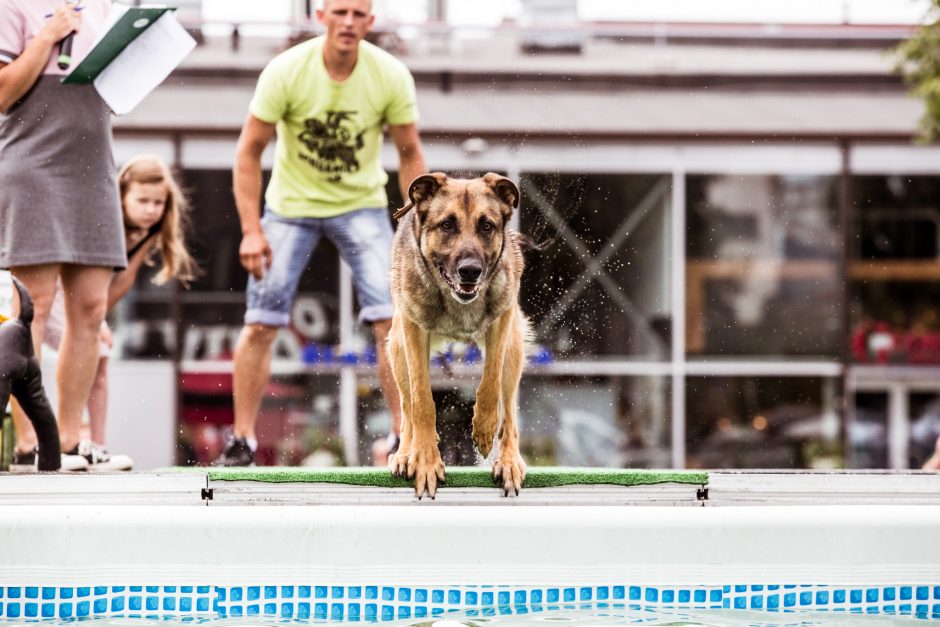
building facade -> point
(741, 264)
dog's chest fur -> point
(453, 320)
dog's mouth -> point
(464, 292)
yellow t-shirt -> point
(329, 133)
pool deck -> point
(867, 538)
(724, 488)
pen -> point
(48, 15)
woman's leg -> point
(40, 282)
(98, 402)
(86, 302)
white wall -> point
(141, 409)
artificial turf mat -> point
(458, 477)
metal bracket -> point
(207, 494)
(701, 494)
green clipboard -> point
(134, 21)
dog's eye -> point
(486, 226)
(447, 225)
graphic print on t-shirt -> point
(333, 144)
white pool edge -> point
(383, 563)
(470, 545)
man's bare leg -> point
(380, 329)
(252, 371)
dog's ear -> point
(425, 186)
(504, 189)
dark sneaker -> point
(237, 453)
(24, 462)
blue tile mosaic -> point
(326, 601)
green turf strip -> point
(458, 477)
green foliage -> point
(918, 61)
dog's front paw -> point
(485, 420)
(509, 470)
(427, 468)
(483, 439)
(398, 463)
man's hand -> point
(255, 254)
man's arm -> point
(410, 156)
(254, 252)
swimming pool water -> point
(587, 615)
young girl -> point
(155, 220)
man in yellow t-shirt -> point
(327, 99)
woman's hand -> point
(19, 76)
(66, 19)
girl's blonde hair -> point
(171, 240)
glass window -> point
(762, 269)
(765, 422)
(925, 426)
(896, 270)
(616, 422)
(214, 306)
(601, 287)
(868, 431)
(296, 425)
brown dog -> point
(456, 267)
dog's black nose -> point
(469, 270)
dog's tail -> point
(26, 303)
(526, 243)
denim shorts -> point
(364, 240)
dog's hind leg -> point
(398, 461)
(27, 389)
(423, 460)
(509, 466)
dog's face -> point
(463, 228)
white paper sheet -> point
(144, 64)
